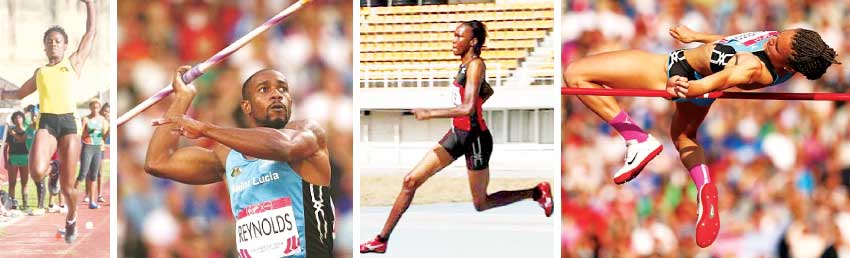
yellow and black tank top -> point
(54, 84)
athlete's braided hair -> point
(479, 32)
(56, 29)
(811, 55)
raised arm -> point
(744, 70)
(260, 142)
(25, 90)
(686, 35)
(78, 58)
(191, 165)
(474, 74)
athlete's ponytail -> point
(485, 91)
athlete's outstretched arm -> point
(686, 35)
(26, 89)
(190, 165)
(474, 73)
(260, 142)
(745, 70)
(78, 58)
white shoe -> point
(37, 212)
(637, 156)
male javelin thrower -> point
(277, 173)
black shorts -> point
(57, 125)
(475, 145)
(677, 65)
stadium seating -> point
(411, 42)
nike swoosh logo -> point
(633, 159)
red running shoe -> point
(374, 246)
(545, 199)
(708, 216)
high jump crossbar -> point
(824, 96)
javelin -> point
(827, 96)
(387, 109)
(199, 69)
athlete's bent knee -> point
(683, 138)
(411, 183)
(572, 77)
(38, 171)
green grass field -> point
(32, 198)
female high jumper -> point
(747, 61)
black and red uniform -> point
(469, 135)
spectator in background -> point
(94, 131)
(53, 189)
(104, 112)
(30, 116)
(17, 159)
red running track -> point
(35, 236)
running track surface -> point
(457, 230)
(35, 236)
